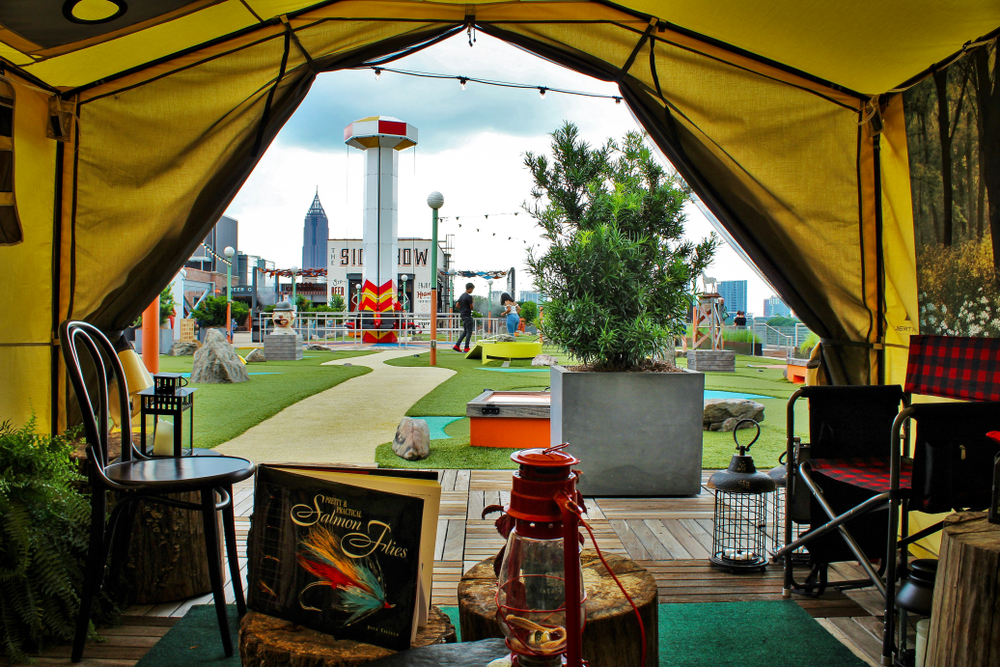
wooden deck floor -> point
(671, 537)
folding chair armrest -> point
(895, 452)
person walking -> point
(511, 312)
(464, 304)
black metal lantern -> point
(776, 513)
(169, 395)
(739, 541)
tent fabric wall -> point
(26, 268)
(173, 112)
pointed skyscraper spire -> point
(317, 207)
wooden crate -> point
(509, 419)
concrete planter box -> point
(637, 434)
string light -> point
(463, 80)
(215, 255)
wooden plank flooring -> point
(671, 537)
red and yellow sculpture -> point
(381, 138)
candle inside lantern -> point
(163, 438)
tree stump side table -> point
(266, 641)
(965, 620)
(611, 637)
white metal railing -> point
(772, 338)
(347, 326)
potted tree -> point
(618, 279)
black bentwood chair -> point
(134, 477)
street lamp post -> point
(489, 302)
(435, 200)
(229, 252)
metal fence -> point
(348, 326)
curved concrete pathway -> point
(343, 424)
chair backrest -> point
(954, 367)
(849, 421)
(81, 338)
(953, 455)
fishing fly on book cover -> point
(345, 553)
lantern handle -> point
(745, 448)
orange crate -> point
(518, 419)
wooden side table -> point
(611, 637)
(266, 641)
(965, 620)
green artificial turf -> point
(224, 411)
(451, 397)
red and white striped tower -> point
(381, 138)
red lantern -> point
(540, 596)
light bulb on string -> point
(462, 81)
(541, 91)
(618, 100)
(378, 73)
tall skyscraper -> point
(775, 307)
(735, 294)
(315, 236)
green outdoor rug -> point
(195, 640)
(724, 634)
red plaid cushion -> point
(868, 473)
(954, 367)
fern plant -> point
(43, 538)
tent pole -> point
(56, 288)
(879, 261)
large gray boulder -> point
(722, 414)
(183, 348)
(217, 362)
(413, 439)
(256, 356)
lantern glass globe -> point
(229, 252)
(435, 200)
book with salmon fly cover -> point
(344, 551)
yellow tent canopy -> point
(135, 124)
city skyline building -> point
(775, 307)
(735, 294)
(315, 234)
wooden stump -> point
(965, 621)
(167, 556)
(266, 641)
(611, 637)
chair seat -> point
(868, 473)
(186, 472)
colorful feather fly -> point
(356, 582)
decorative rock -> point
(544, 360)
(413, 439)
(257, 355)
(183, 348)
(505, 338)
(217, 362)
(317, 347)
(722, 414)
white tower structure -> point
(381, 138)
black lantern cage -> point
(776, 515)
(740, 539)
(167, 396)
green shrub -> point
(337, 303)
(806, 348)
(618, 273)
(782, 321)
(739, 335)
(212, 311)
(44, 523)
(529, 311)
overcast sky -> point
(471, 149)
